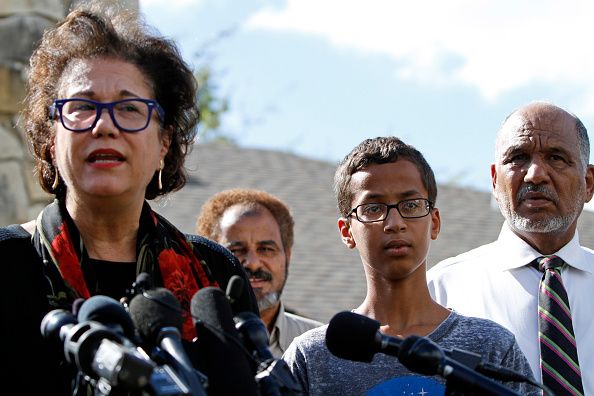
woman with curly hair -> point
(110, 115)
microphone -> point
(158, 318)
(273, 376)
(98, 351)
(56, 324)
(142, 283)
(234, 288)
(254, 334)
(219, 351)
(76, 305)
(109, 312)
(357, 337)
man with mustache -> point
(257, 228)
(541, 179)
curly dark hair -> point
(97, 31)
(209, 219)
(379, 150)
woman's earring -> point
(56, 180)
(161, 166)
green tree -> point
(212, 107)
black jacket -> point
(35, 366)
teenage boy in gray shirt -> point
(386, 194)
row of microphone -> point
(137, 347)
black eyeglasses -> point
(128, 115)
(408, 209)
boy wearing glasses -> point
(386, 194)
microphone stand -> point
(423, 356)
(275, 379)
(194, 380)
(460, 388)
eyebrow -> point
(520, 148)
(124, 93)
(266, 242)
(512, 150)
(404, 194)
(234, 244)
(559, 150)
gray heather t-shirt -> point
(321, 373)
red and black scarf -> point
(162, 251)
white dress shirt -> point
(494, 281)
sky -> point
(317, 77)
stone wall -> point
(22, 23)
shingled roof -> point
(324, 276)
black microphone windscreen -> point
(144, 281)
(352, 336)
(107, 311)
(211, 307)
(254, 334)
(218, 351)
(234, 288)
(153, 310)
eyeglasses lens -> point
(80, 115)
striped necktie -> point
(558, 352)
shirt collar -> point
(279, 333)
(517, 253)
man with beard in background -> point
(257, 228)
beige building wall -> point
(22, 23)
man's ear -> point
(435, 223)
(288, 256)
(494, 181)
(344, 227)
(589, 182)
